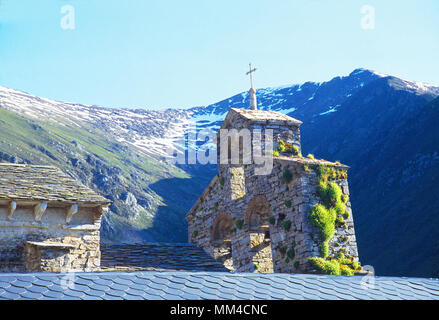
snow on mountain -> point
(154, 132)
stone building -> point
(273, 222)
(48, 222)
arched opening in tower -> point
(257, 215)
(221, 239)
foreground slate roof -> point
(157, 256)
(176, 285)
(43, 183)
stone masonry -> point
(261, 223)
(48, 222)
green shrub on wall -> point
(324, 249)
(291, 253)
(325, 266)
(286, 225)
(323, 219)
(339, 266)
(287, 176)
(326, 216)
(272, 220)
(286, 147)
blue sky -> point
(158, 54)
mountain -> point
(35, 130)
(382, 126)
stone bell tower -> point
(270, 222)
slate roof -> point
(43, 183)
(264, 115)
(157, 256)
(176, 285)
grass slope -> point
(108, 167)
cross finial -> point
(250, 73)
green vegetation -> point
(287, 176)
(88, 153)
(340, 266)
(327, 173)
(272, 220)
(324, 249)
(239, 224)
(194, 234)
(286, 147)
(325, 266)
(326, 216)
(286, 225)
(275, 153)
(306, 168)
(291, 253)
(221, 181)
(287, 203)
(323, 219)
(296, 265)
(310, 156)
(281, 147)
(283, 250)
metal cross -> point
(250, 73)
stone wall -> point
(287, 131)
(51, 244)
(271, 229)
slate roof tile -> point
(95, 293)
(37, 289)
(211, 285)
(42, 283)
(43, 183)
(168, 296)
(16, 290)
(153, 256)
(32, 295)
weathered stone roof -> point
(308, 161)
(177, 285)
(264, 115)
(157, 256)
(43, 183)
